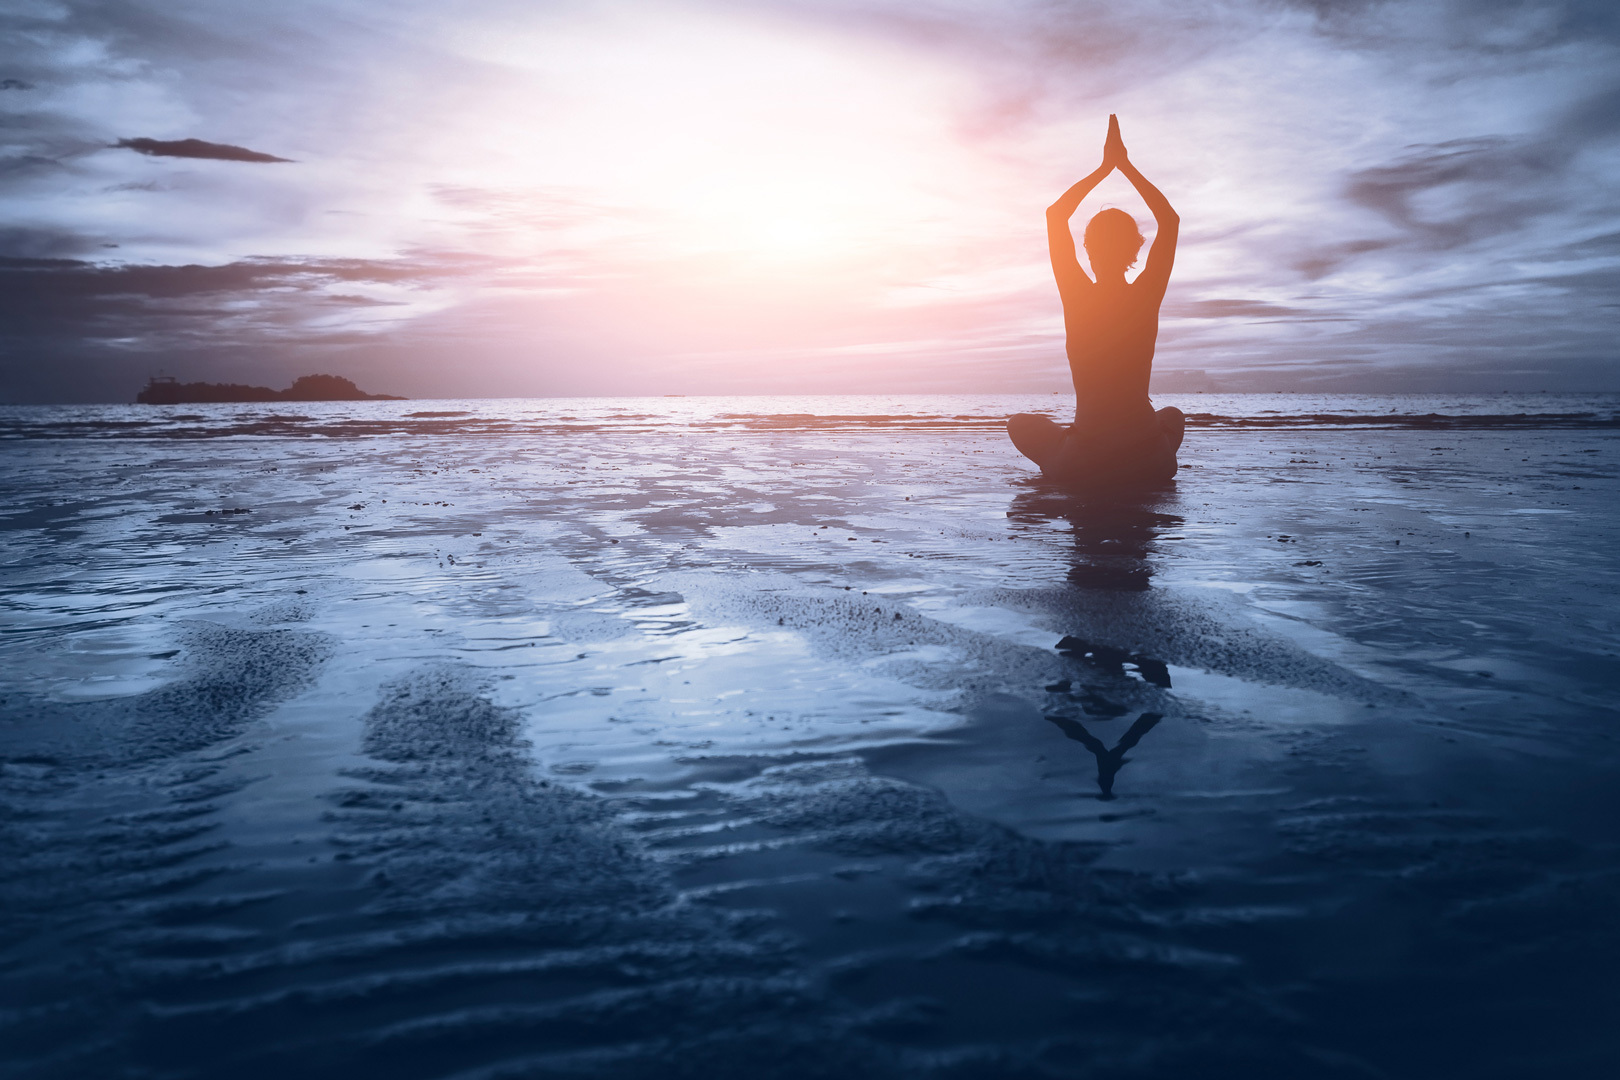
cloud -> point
(1434, 170)
(1594, 117)
(1322, 261)
(1447, 195)
(27, 166)
(153, 307)
(15, 84)
(1481, 26)
(1227, 309)
(196, 148)
(32, 242)
(71, 329)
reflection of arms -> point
(1073, 730)
(1143, 725)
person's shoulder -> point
(1149, 286)
(1075, 287)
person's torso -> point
(1111, 334)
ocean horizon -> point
(700, 412)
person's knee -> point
(1029, 428)
(1173, 422)
(1034, 435)
(1025, 422)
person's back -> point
(1111, 326)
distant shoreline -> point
(162, 390)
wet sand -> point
(788, 747)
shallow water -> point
(579, 417)
(807, 737)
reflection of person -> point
(1111, 324)
(1114, 537)
(1109, 762)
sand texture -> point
(815, 739)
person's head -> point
(1112, 241)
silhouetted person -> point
(1109, 762)
(1117, 439)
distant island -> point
(163, 390)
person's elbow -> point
(1055, 212)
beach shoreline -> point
(665, 746)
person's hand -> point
(1113, 146)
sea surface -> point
(808, 737)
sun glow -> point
(692, 182)
(616, 195)
(795, 236)
(718, 137)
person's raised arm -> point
(1060, 241)
(1162, 256)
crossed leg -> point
(1173, 422)
(1036, 437)
(1042, 441)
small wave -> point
(1412, 422)
(531, 418)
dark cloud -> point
(1539, 23)
(196, 148)
(25, 166)
(1322, 261)
(73, 330)
(1461, 192)
(25, 242)
(75, 301)
(1500, 184)
(1486, 26)
(1607, 244)
(1554, 330)
(1493, 184)
(1232, 309)
(151, 30)
(1595, 117)
(15, 84)
(157, 280)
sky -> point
(496, 198)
